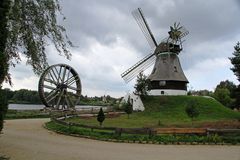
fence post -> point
(69, 127)
(150, 132)
(118, 131)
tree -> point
(223, 96)
(229, 85)
(3, 107)
(128, 107)
(100, 116)
(192, 110)
(235, 60)
(237, 98)
(142, 84)
(26, 27)
(225, 93)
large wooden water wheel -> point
(60, 87)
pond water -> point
(40, 106)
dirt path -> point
(27, 140)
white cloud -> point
(208, 73)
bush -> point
(192, 110)
(127, 106)
(100, 116)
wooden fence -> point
(148, 131)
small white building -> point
(135, 100)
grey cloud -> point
(213, 26)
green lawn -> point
(22, 114)
(165, 111)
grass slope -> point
(166, 111)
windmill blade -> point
(140, 66)
(184, 31)
(142, 23)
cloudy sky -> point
(109, 41)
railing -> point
(147, 131)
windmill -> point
(167, 77)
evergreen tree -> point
(100, 116)
(142, 84)
(235, 60)
(128, 107)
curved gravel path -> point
(26, 139)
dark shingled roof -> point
(167, 67)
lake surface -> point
(40, 106)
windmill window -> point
(162, 83)
(175, 69)
(162, 92)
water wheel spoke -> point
(67, 101)
(73, 88)
(49, 87)
(51, 95)
(51, 76)
(50, 81)
(59, 98)
(70, 101)
(69, 71)
(64, 74)
(69, 80)
(59, 74)
(72, 81)
(54, 73)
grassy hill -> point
(171, 109)
(168, 111)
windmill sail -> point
(142, 23)
(140, 66)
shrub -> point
(100, 116)
(127, 106)
(192, 110)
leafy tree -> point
(100, 116)
(142, 84)
(3, 107)
(225, 93)
(26, 27)
(192, 110)
(235, 60)
(223, 96)
(229, 85)
(128, 107)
